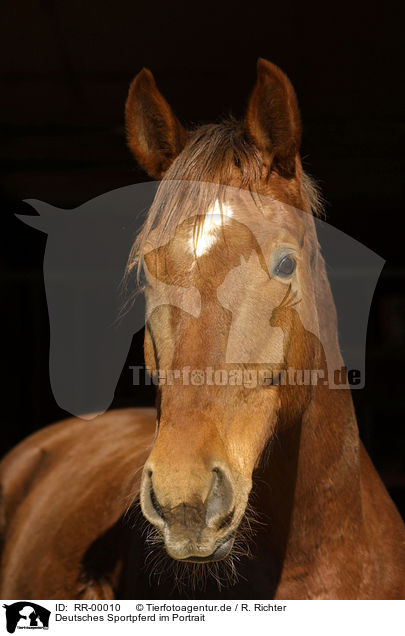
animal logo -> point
(26, 615)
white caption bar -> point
(168, 617)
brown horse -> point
(232, 232)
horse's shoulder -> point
(71, 482)
(70, 447)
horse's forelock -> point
(216, 156)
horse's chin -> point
(220, 552)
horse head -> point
(232, 220)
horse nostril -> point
(220, 500)
(155, 503)
(153, 499)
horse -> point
(223, 490)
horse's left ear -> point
(155, 135)
(273, 120)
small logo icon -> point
(26, 615)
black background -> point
(65, 69)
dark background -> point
(65, 67)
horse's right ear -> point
(273, 119)
(155, 136)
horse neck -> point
(309, 489)
(314, 460)
(318, 448)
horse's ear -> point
(155, 136)
(46, 219)
(273, 119)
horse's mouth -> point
(220, 552)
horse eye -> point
(286, 266)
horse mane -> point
(199, 176)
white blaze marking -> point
(208, 233)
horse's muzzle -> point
(198, 529)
